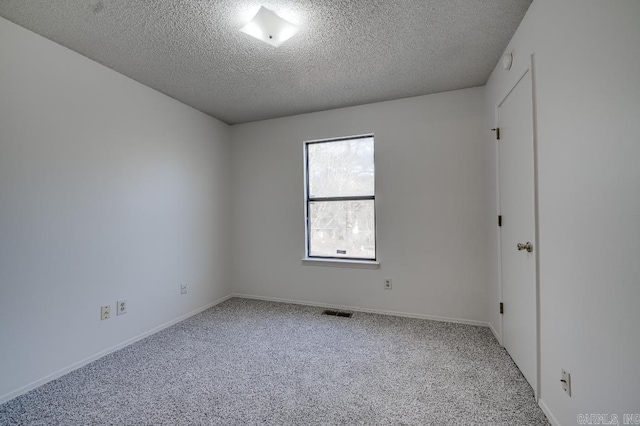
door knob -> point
(526, 246)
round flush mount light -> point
(269, 27)
(507, 61)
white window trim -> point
(334, 262)
(341, 263)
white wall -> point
(587, 68)
(108, 190)
(431, 173)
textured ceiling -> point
(347, 52)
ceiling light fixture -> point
(267, 26)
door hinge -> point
(499, 220)
(501, 308)
(497, 130)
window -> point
(340, 198)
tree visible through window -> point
(340, 198)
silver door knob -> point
(526, 246)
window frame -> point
(308, 200)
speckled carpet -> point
(248, 362)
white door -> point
(517, 208)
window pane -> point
(342, 229)
(341, 168)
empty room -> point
(420, 212)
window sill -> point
(339, 263)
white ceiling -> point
(347, 52)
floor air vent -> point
(337, 313)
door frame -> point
(528, 68)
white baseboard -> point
(495, 333)
(24, 389)
(9, 396)
(548, 413)
(371, 311)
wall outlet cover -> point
(566, 382)
(121, 307)
(105, 312)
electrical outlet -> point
(183, 289)
(387, 284)
(121, 307)
(105, 312)
(566, 382)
